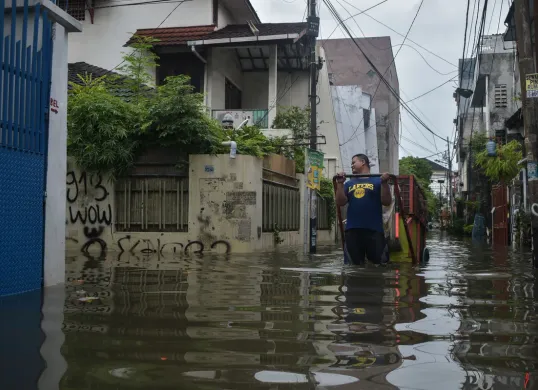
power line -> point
(156, 28)
(354, 16)
(433, 89)
(426, 61)
(339, 24)
(335, 14)
(400, 34)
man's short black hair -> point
(362, 157)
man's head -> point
(360, 164)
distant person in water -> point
(365, 196)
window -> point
(366, 118)
(151, 203)
(181, 63)
(501, 97)
(75, 8)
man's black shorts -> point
(366, 243)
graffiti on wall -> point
(148, 247)
(88, 207)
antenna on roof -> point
(253, 28)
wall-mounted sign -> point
(209, 168)
(314, 160)
(54, 106)
(531, 81)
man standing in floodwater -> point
(366, 196)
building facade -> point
(493, 79)
(347, 66)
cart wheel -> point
(425, 255)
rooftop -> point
(435, 166)
(82, 68)
(171, 36)
(265, 29)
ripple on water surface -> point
(467, 320)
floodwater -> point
(466, 320)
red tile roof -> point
(172, 36)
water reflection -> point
(467, 320)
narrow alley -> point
(466, 320)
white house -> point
(245, 68)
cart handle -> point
(398, 197)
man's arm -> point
(386, 198)
(341, 198)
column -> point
(273, 84)
(55, 210)
(208, 78)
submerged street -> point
(466, 320)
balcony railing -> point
(259, 118)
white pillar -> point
(273, 83)
(55, 214)
(209, 79)
(487, 110)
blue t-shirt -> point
(364, 204)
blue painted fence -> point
(26, 58)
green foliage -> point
(477, 143)
(327, 192)
(468, 230)
(101, 128)
(418, 167)
(504, 166)
(473, 205)
(106, 133)
(294, 118)
(179, 120)
(250, 140)
(137, 64)
(298, 121)
(457, 228)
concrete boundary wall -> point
(224, 213)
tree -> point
(505, 166)
(102, 128)
(418, 167)
(298, 121)
(106, 133)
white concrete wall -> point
(223, 65)
(225, 17)
(292, 89)
(101, 42)
(54, 262)
(326, 121)
(349, 122)
(225, 203)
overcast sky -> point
(439, 28)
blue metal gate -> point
(26, 54)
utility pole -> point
(313, 32)
(529, 110)
(450, 183)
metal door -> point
(26, 58)
(500, 215)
